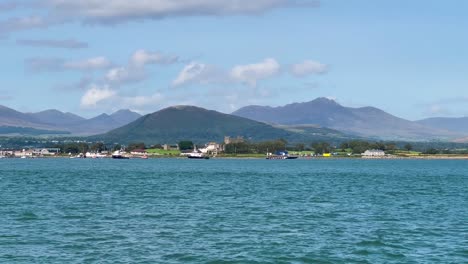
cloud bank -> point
(121, 11)
(117, 11)
(249, 74)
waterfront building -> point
(373, 153)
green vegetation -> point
(134, 146)
(199, 125)
(249, 148)
(256, 148)
(73, 148)
(163, 152)
(185, 145)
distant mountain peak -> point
(54, 111)
(56, 120)
(324, 99)
(103, 115)
(185, 122)
(326, 112)
(123, 111)
(184, 107)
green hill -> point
(178, 123)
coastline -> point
(420, 157)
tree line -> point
(76, 145)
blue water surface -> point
(233, 211)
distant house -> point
(4, 153)
(25, 153)
(170, 147)
(212, 147)
(46, 151)
(138, 152)
(373, 153)
(41, 152)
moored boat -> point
(281, 155)
(118, 154)
(196, 154)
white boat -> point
(119, 154)
(196, 154)
(95, 155)
(280, 155)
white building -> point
(373, 153)
(212, 147)
(23, 153)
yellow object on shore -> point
(327, 154)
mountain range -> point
(319, 119)
(56, 122)
(365, 121)
(200, 125)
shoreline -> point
(428, 157)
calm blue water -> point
(233, 211)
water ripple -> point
(233, 211)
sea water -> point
(233, 211)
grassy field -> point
(407, 153)
(163, 152)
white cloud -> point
(116, 11)
(96, 63)
(122, 75)
(117, 74)
(192, 72)
(64, 44)
(251, 73)
(142, 57)
(136, 70)
(96, 94)
(308, 67)
(119, 11)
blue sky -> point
(90, 56)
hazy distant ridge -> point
(364, 121)
(55, 120)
